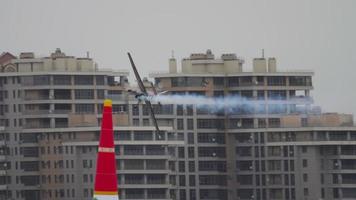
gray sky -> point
(319, 35)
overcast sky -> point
(319, 35)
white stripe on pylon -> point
(106, 197)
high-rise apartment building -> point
(50, 117)
(278, 147)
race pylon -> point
(106, 187)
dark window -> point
(305, 163)
(83, 80)
(84, 108)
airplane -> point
(105, 186)
(143, 95)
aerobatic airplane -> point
(143, 95)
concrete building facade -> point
(50, 117)
(279, 147)
(282, 147)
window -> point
(245, 80)
(178, 82)
(190, 152)
(133, 150)
(336, 193)
(218, 138)
(276, 80)
(135, 110)
(244, 165)
(122, 135)
(189, 110)
(277, 94)
(143, 135)
(83, 80)
(119, 108)
(218, 81)
(190, 124)
(61, 80)
(219, 166)
(212, 180)
(84, 108)
(41, 80)
(245, 179)
(192, 194)
(180, 110)
(181, 166)
(191, 166)
(212, 152)
(84, 94)
(191, 180)
(180, 125)
(300, 81)
(274, 165)
(85, 178)
(233, 81)
(182, 195)
(304, 149)
(211, 123)
(244, 151)
(190, 138)
(100, 80)
(305, 163)
(218, 94)
(181, 180)
(181, 152)
(274, 122)
(100, 94)
(305, 177)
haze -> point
(318, 35)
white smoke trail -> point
(228, 103)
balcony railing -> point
(156, 196)
(35, 112)
(47, 125)
(134, 196)
(37, 97)
(134, 181)
(156, 181)
(61, 125)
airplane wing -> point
(148, 103)
(143, 90)
(137, 75)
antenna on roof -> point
(172, 53)
(87, 54)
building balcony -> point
(135, 196)
(33, 126)
(36, 112)
(156, 196)
(36, 97)
(61, 111)
(61, 124)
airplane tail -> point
(105, 178)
